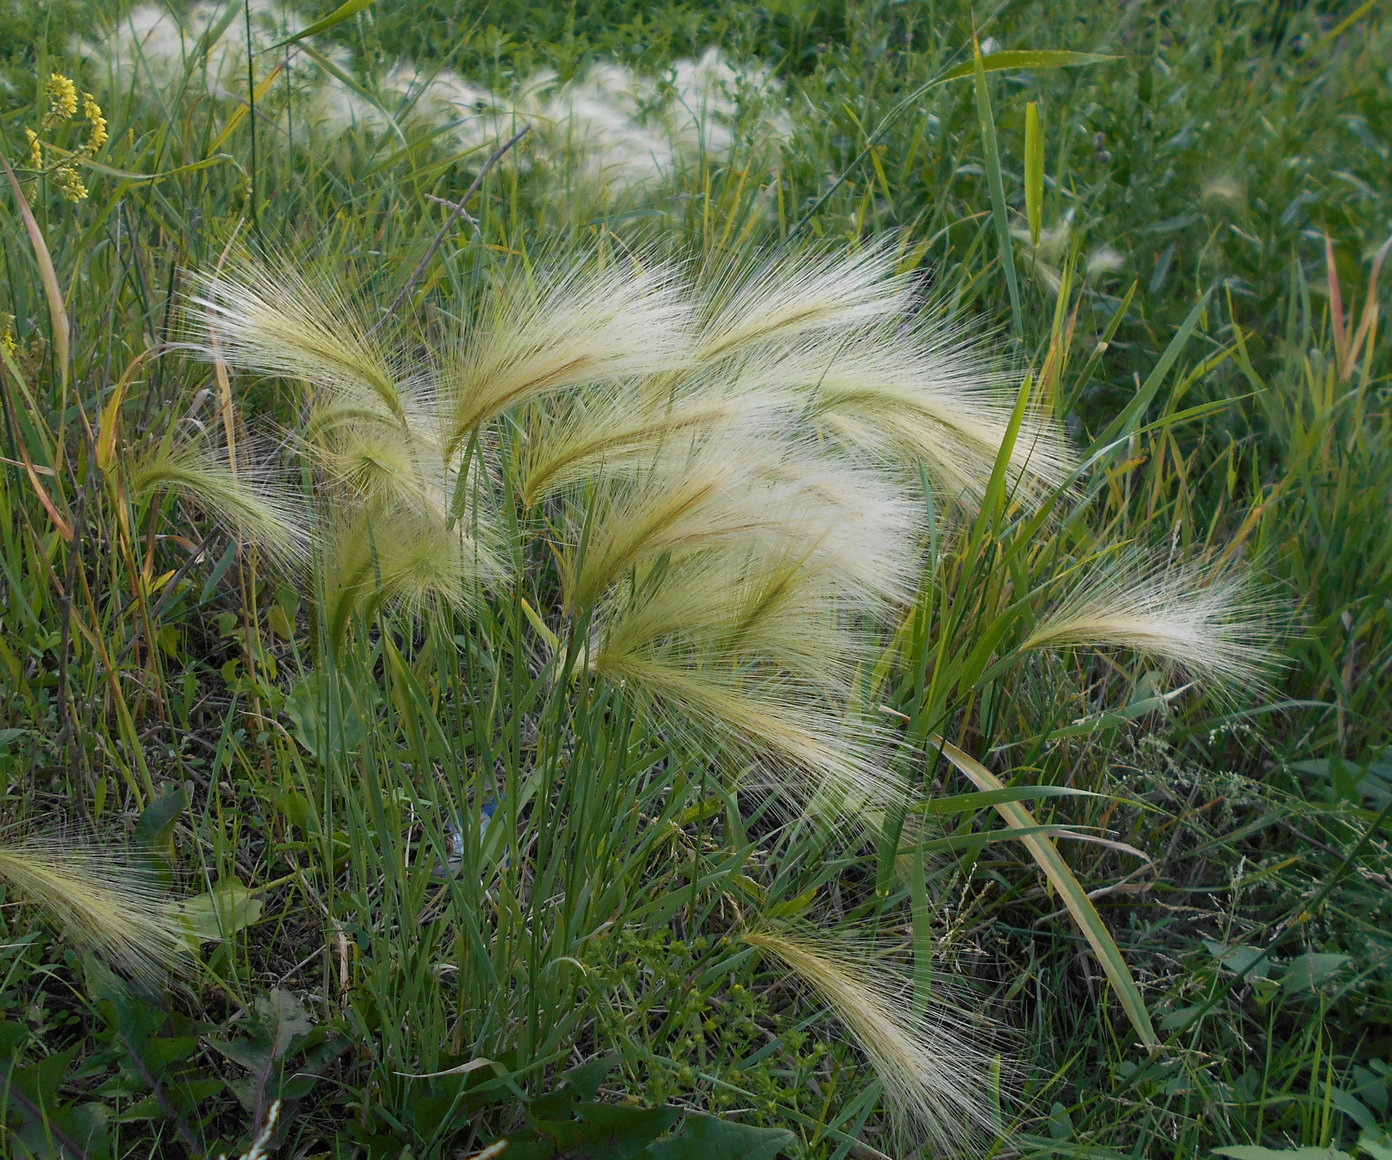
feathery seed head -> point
(756, 651)
(806, 752)
(1204, 623)
(723, 466)
(401, 556)
(906, 399)
(620, 428)
(250, 499)
(101, 902)
(276, 323)
(785, 300)
(590, 326)
(935, 1067)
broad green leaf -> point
(577, 1084)
(155, 827)
(703, 1137)
(1312, 971)
(324, 719)
(283, 1013)
(612, 1131)
(221, 912)
(1258, 1152)
(1249, 961)
(1377, 1143)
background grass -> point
(1234, 158)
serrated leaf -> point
(284, 1014)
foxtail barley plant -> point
(708, 486)
(606, 133)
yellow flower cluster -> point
(96, 123)
(7, 336)
(62, 98)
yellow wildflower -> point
(7, 337)
(70, 183)
(62, 96)
(96, 123)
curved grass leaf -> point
(1024, 58)
(1069, 888)
(332, 20)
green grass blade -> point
(1043, 58)
(1000, 213)
(997, 61)
(332, 20)
(1130, 415)
(1034, 171)
(57, 310)
(1080, 906)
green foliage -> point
(568, 1122)
(1193, 227)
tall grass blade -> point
(1000, 212)
(1034, 172)
(345, 11)
(57, 311)
(1129, 417)
(1080, 906)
